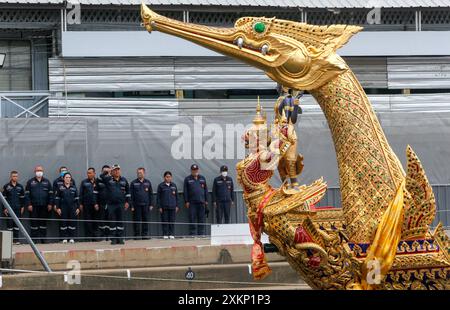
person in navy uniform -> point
(60, 180)
(195, 193)
(67, 208)
(223, 195)
(118, 197)
(167, 202)
(14, 193)
(39, 201)
(102, 202)
(141, 203)
(89, 205)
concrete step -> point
(134, 254)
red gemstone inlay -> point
(314, 261)
(301, 236)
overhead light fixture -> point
(2, 59)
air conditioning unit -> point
(6, 241)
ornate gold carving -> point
(420, 212)
(327, 247)
(369, 171)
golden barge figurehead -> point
(297, 55)
(386, 211)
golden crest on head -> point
(259, 119)
(257, 135)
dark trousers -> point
(223, 211)
(197, 215)
(68, 224)
(38, 225)
(103, 217)
(91, 225)
(168, 222)
(141, 214)
(115, 218)
(11, 226)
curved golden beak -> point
(219, 39)
(148, 17)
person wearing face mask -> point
(195, 194)
(223, 195)
(39, 202)
(67, 208)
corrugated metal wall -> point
(75, 106)
(218, 73)
(141, 74)
(62, 107)
(370, 71)
(85, 75)
(108, 75)
(149, 73)
(168, 73)
(418, 72)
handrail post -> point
(25, 233)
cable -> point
(125, 238)
(207, 237)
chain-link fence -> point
(174, 142)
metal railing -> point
(23, 104)
(24, 232)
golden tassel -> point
(384, 246)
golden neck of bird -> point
(369, 171)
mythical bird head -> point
(296, 55)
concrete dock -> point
(147, 264)
(134, 254)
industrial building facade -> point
(37, 38)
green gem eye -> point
(259, 27)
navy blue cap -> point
(194, 167)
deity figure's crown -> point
(259, 119)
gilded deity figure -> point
(287, 108)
